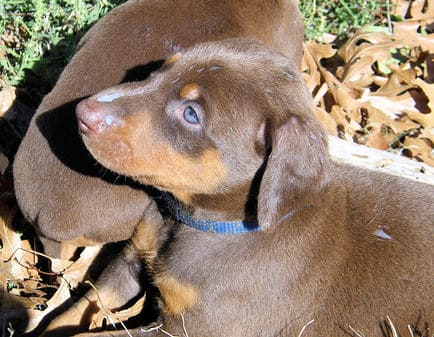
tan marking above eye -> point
(172, 59)
(190, 92)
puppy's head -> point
(207, 121)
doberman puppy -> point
(59, 187)
(269, 233)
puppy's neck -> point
(228, 206)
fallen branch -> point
(382, 161)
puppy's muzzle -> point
(96, 117)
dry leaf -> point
(14, 249)
(357, 43)
(404, 72)
(311, 74)
(428, 89)
(320, 94)
(28, 258)
(360, 74)
(348, 126)
(343, 96)
(10, 240)
(71, 274)
(380, 140)
(59, 266)
(7, 98)
(378, 118)
(428, 134)
(426, 159)
(328, 38)
(391, 106)
(417, 146)
(36, 316)
(327, 121)
(116, 317)
(408, 33)
(5, 274)
(426, 120)
(392, 87)
(320, 51)
(421, 9)
(76, 271)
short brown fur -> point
(339, 245)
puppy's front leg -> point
(177, 297)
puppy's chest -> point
(242, 276)
(220, 261)
(194, 255)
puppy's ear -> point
(296, 170)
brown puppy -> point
(227, 129)
(59, 187)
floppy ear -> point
(296, 170)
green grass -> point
(39, 36)
(340, 17)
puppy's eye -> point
(190, 115)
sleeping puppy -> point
(59, 186)
(269, 233)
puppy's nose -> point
(94, 116)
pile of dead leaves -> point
(377, 88)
